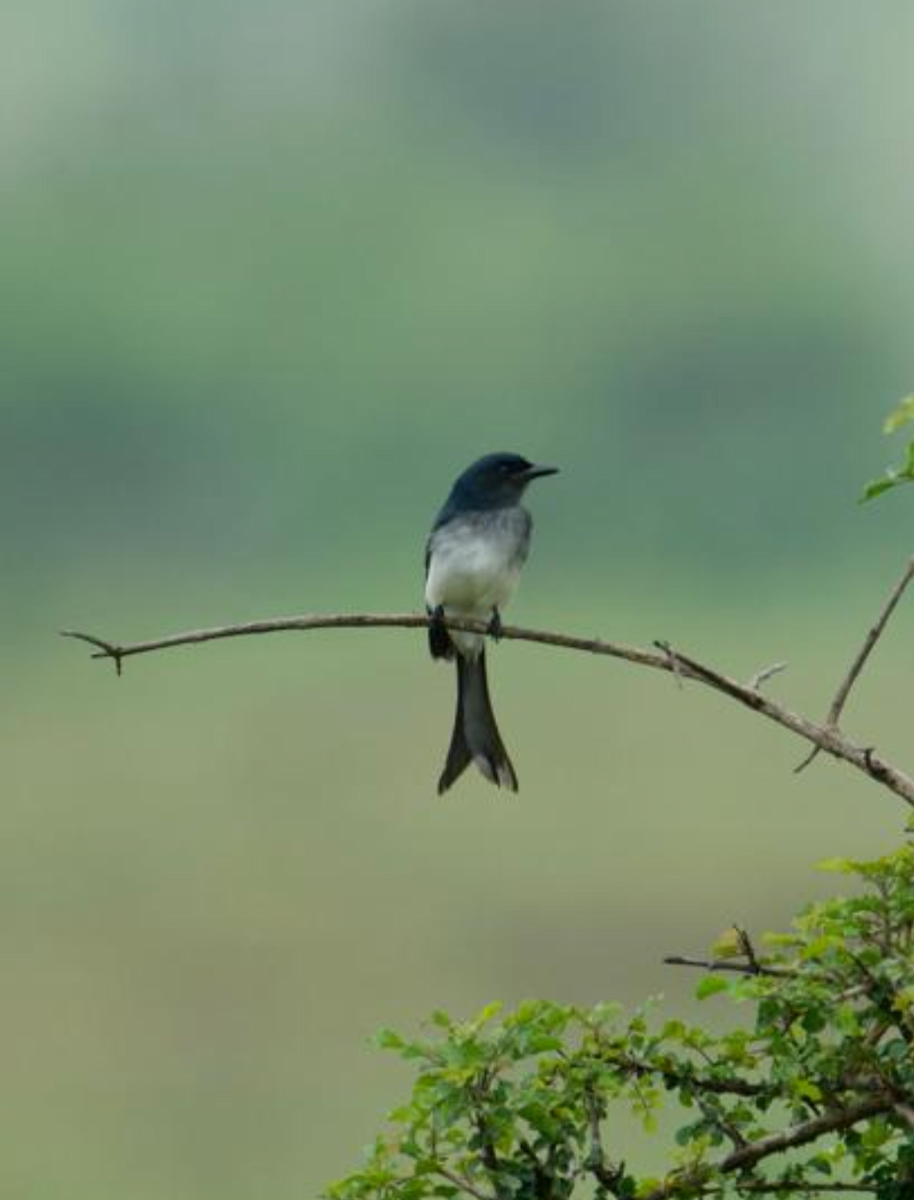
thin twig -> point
(823, 737)
(463, 1184)
(715, 1114)
(748, 950)
(809, 1186)
(706, 964)
(859, 661)
(872, 637)
(675, 1077)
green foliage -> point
(814, 1093)
(901, 415)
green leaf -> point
(841, 866)
(540, 1043)
(807, 1090)
(890, 480)
(710, 986)
(847, 1021)
(900, 415)
(728, 944)
(388, 1039)
(488, 1013)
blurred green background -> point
(271, 275)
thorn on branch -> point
(673, 661)
(105, 649)
(765, 674)
(801, 766)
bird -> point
(473, 558)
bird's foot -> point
(439, 640)
(494, 629)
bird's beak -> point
(537, 471)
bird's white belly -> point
(470, 575)
(470, 578)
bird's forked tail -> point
(476, 738)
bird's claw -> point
(494, 629)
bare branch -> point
(802, 1134)
(806, 1186)
(608, 1176)
(678, 1077)
(707, 964)
(859, 660)
(807, 1131)
(906, 1112)
(822, 737)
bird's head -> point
(497, 480)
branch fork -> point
(832, 720)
